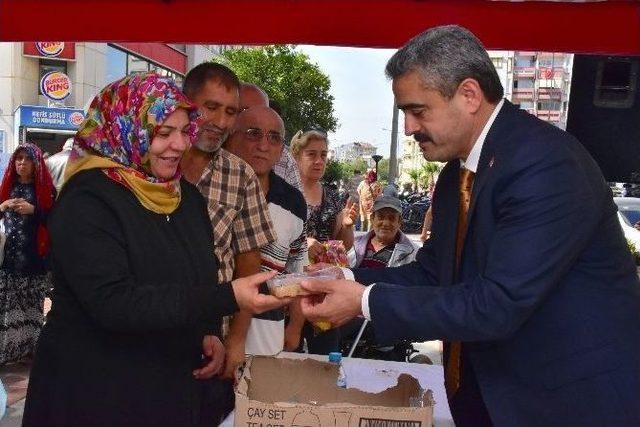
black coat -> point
(134, 294)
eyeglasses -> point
(255, 135)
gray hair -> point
(445, 56)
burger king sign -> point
(51, 49)
(55, 85)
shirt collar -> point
(474, 156)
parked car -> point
(629, 216)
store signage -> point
(55, 85)
(49, 118)
(51, 50)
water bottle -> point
(336, 358)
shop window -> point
(136, 65)
(121, 63)
(47, 65)
(116, 64)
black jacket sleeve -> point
(90, 254)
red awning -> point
(595, 27)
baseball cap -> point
(388, 199)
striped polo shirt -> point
(287, 254)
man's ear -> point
(470, 94)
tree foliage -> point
(299, 87)
(335, 172)
(383, 171)
(353, 165)
(415, 175)
(428, 173)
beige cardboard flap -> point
(312, 382)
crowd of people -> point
(173, 207)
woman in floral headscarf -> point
(26, 197)
(136, 304)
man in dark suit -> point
(527, 276)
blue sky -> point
(363, 100)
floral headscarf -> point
(116, 136)
(44, 189)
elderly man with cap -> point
(385, 245)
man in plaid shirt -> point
(237, 208)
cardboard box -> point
(279, 392)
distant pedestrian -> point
(26, 197)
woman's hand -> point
(23, 207)
(349, 214)
(213, 350)
(248, 297)
(7, 205)
(315, 248)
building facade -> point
(355, 151)
(45, 87)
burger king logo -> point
(76, 118)
(51, 49)
(55, 85)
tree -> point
(334, 172)
(351, 166)
(429, 170)
(383, 171)
(299, 87)
(415, 175)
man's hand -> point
(334, 301)
(248, 297)
(213, 350)
(235, 356)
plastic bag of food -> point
(288, 285)
(333, 253)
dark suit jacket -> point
(548, 301)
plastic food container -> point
(288, 285)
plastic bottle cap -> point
(335, 357)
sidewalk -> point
(15, 378)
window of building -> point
(116, 64)
(547, 61)
(47, 65)
(497, 62)
(549, 105)
(121, 63)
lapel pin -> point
(491, 162)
